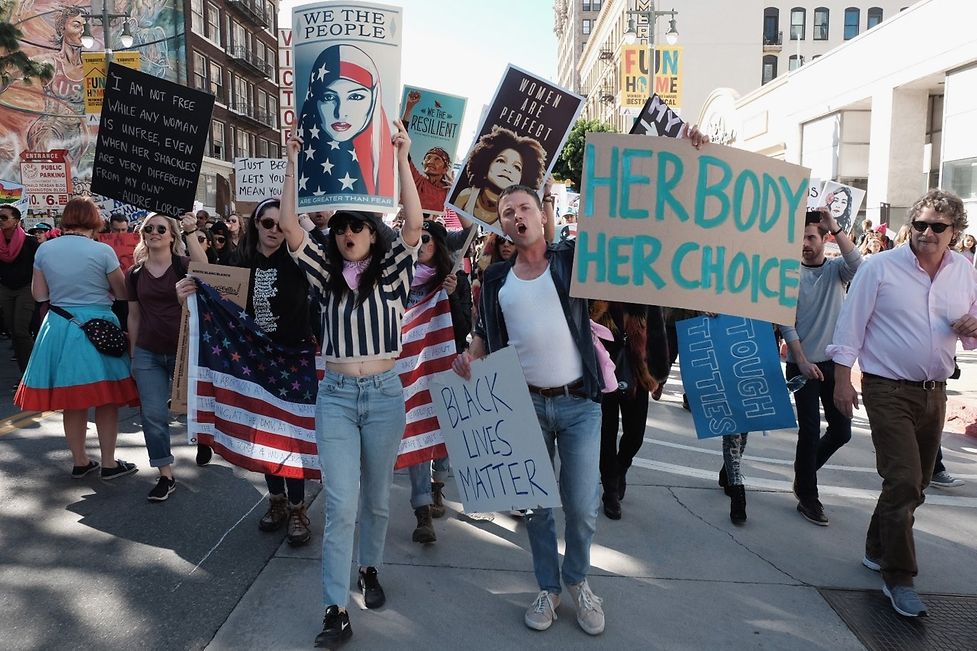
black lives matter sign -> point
(151, 140)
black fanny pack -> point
(107, 337)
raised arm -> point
(413, 217)
(288, 218)
(194, 247)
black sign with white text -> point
(151, 141)
(657, 119)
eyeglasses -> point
(219, 239)
(201, 238)
(936, 226)
(160, 228)
(269, 224)
(355, 225)
(425, 238)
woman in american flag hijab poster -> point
(347, 70)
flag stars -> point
(322, 72)
(327, 166)
(314, 131)
(333, 144)
(302, 181)
(296, 386)
(283, 392)
(352, 153)
(309, 152)
(235, 357)
(246, 371)
(347, 182)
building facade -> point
(573, 21)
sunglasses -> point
(269, 224)
(354, 225)
(425, 238)
(202, 238)
(160, 228)
(937, 227)
(219, 239)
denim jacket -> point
(491, 322)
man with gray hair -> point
(905, 311)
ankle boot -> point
(298, 525)
(724, 481)
(622, 483)
(737, 503)
(424, 533)
(437, 494)
(276, 515)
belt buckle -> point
(929, 385)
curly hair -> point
(62, 20)
(945, 203)
(492, 144)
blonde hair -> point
(177, 248)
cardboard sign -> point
(233, 283)
(715, 229)
(657, 119)
(256, 179)
(498, 455)
(433, 120)
(519, 140)
(633, 81)
(151, 141)
(123, 244)
(846, 201)
(94, 65)
(286, 84)
(347, 74)
(731, 373)
(668, 74)
(47, 177)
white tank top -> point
(539, 332)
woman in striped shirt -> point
(362, 282)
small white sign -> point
(257, 179)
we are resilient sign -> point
(715, 229)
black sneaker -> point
(370, 588)
(813, 511)
(612, 505)
(77, 472)
(204, 454)
(121, 469)
(164, 486)
(335, 627)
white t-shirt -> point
(539, 332)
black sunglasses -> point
(937, 227)
(219, 239)
(425, 238)
(201, 238)
(354, 225)
(160, 228)
(268, 224)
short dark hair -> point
(118, 217)
(13, 209)
(517, 187)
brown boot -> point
(424, 533)
(437, 492)
(276, 515)
(298, 525)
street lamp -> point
(651, 17)
(125, 38)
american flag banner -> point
(250, 399)
(428, 348)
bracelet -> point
(835, 233)
(190, 232)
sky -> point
(445, 46)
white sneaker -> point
(542, 612)
(590, 615)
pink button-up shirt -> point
(896, 321)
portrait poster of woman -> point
(846, 201)
(518, 142)
(347, 82)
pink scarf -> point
(422, 274)
(10, 250)
(352, 272)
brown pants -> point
(907, 423)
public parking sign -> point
(47, 177)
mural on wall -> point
(44, 116)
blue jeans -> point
(420, 480)
(154, 374)
(359, 424)
(571, 425)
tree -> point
(569, 166)
(14, 64)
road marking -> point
(17, 421)
(786, 487)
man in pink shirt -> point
(905, 311)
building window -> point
(217, 82)
(595, 5)
(874, 17)
(769, 68)
(586, 5)
(217, 140)
(262, 148)
(851, 22)
(821, 24)
(199, 71)
(794, 62)
(197, 16)
(771, 26)
(798, 23)
(585, 25)
(960, 176)
(213, 32)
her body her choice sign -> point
(347, 83)
(496, 447)
(715, 229)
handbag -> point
(107, 337)
(622, 364)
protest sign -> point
(94, 65)
(151, 141)
(433, 120)
(731, 373)
(519, 140)
(13, 194)
(232, 283)
(668, 74)
(123, 244)
(286, 84)
(256, 179)
(47, 177)
(813, 193)
(663, 223)
(498, 455)
(633, 81)
(657, 119)
(347, 80)
(846, 201)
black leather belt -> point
(572, 389)
(925, 385)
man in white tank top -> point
(526, 303)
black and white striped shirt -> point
(372, 330)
